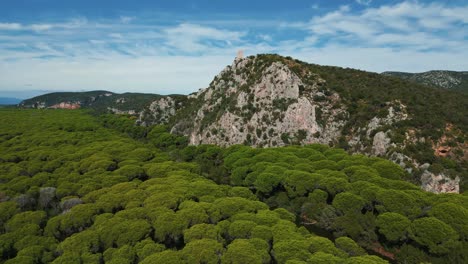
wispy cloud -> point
(364, 2)
(140, 54)
(10, 26)
(71, 24)
(407, 24)
(126, 19)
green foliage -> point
(349, 246)
(454, 215)
(242, 251)
(430, 232)
(389, 170)
(393, 226)
(77, 190)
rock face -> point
(372, 131)
(439, 183)
(66, 105)
(263, 106)
(158, 112)
(380, 144)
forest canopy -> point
(78, 188)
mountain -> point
(269, 100)
(452, 80)
(9, 101)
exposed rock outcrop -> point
(439, 183)
(66, 105)
(273, 107)
(380, 144)
(158, 112)
(121, 112)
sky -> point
(169, 47)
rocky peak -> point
(260, 101)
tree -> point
(324, 258)
(193, 212)
(132, 172)
(240, 251)
(20, 220)
(83, 242)
(299, 183)
(349, 246)
(241, 229)
(169, 225)
(7, 210)
(454, 215)
(322, 244)
(147, 247)
(365, 260)
(267, 182)
(397, 202)
(333, 185)
(389, 170)
(291, 249)
(439, 237)
(201, 231)
(324, 164)
(165, 257)
(203, 251)
(262, 232)
(393, 226)
(122, 255)
(347, 202)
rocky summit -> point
(269, 101)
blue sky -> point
(178, 46)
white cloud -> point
(41, 27)
(364, 2)
(189, 37)
(126, 19)
(10, 26)
(115, 35)
(410, 24)
(71, 24)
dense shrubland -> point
(81, 189)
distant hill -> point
(452, 80)
(67, 99)
(9, 101)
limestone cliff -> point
(268, 106)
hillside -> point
(150, 108)
(452, 80)
(270, 101)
